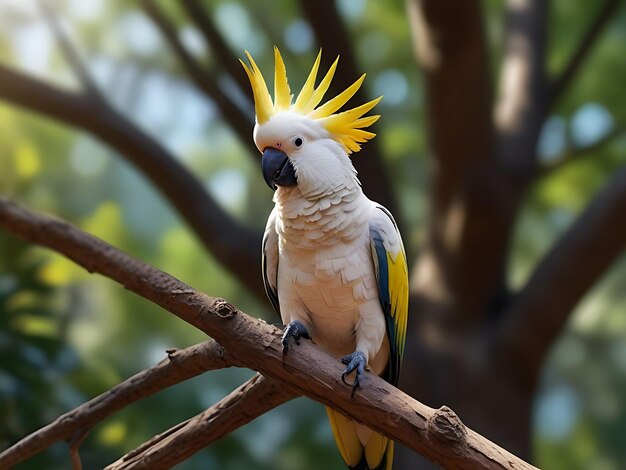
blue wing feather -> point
(392, 276)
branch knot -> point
(224, 308)
(446, 425)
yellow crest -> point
(346, 127)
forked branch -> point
(240, 123)
(180, 365)
(70, 51)
(201, 18)
(252, 399)
(439, 435)
(575, 262)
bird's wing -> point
(393, 284)
(269, 260)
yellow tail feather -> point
(377, 454)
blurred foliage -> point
(66, 336)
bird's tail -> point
(375, 454)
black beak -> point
(277, 169)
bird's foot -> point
(355, 361)
(296, 330)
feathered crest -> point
(347, 126)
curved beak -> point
(277, 169)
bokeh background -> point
(66, 336)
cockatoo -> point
(333, 262)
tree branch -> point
(539, 311)
(588, 40)
(332, 36)
(252, 399)
(70, 52)
(437, 434)
(233, 244)
(240, 123)
(575, 154)
(179, 366)
(212, 36)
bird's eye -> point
(298, 141)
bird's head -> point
(302, 143)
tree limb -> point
(73, 426)
(332, 36)
(234, 245)
(575, 154)
(588, 40)
(439, 435)
(240, 123)
(539, 311)
(252, 399)
(214, 39)
(470, 202)
(70, 52)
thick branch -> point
(240, 123)
(589, 39)
(252, 399)
(540, 310)
(179, 366)
(450, 48)
(234, 245)
(470, 203)
(307, 370)
(332, 36)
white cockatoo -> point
(334, 265)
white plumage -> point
(333, 261)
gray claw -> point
(295, 330)
(355, 361)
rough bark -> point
(307, 370)
(464, 349)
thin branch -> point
(73, 426)
(75, 442)
(69, 51)
(216, 42)
(252, 399)
(580, 54)
(233, 244)
(240, 123)
(332, 36)
(575, 154)
(576, 261)
(439, 435)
